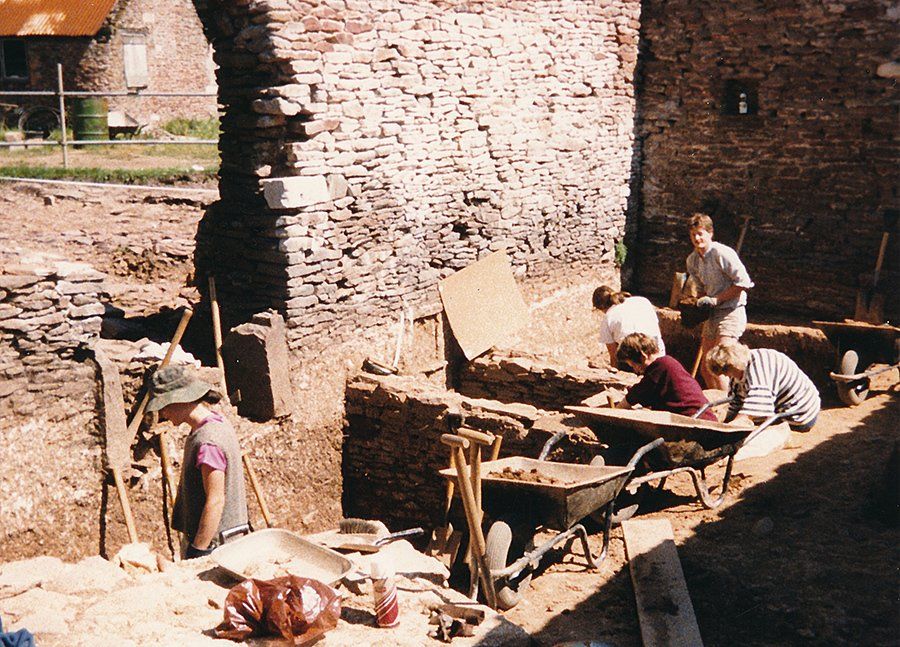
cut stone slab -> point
(664, 605)
(770, 440)
(296, 192)
(257, 363)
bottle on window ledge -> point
(743, 106)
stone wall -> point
(399, 140)
(51, 449)
(814, 161)
(394, 425)
(537, 382)
(178, 58)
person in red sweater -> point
(666, 385)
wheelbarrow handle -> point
(643, 451)
(709, 405)
(552, 442)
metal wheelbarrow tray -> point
(683, 444)
(272, 552)
(860, 345)
(577, 491)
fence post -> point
(62, 114)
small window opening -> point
(137, 72)
(741, 97)
(13, 59)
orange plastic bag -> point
(298, 609)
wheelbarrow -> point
(682, 444)
(528, 495)
(858, 344)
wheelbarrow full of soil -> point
(671, 443)
(524, 495)
(862, 351)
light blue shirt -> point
(718, 270)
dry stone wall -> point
(371, 148)
(51, 450)
(813, 160)
(522, 379)
(394, 425)
(48, 308)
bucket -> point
(90, 118)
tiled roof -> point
(53, 17)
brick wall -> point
(430, 133)
(813, 166)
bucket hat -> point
(175, 384)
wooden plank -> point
(483, 304)
(663, 603)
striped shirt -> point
(773, 383)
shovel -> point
(372, 543)
(869, 304)
(117, 448)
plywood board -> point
(483, 304)
(664, 606)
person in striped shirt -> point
(765, 382)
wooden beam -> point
(663, 603)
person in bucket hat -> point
(211, 503)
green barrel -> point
(90, 118)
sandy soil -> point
(800, 553)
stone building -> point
(110, 45)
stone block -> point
(257, 363)
(295, 192)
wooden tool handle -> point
(176, 339)
(455, 441)
(495, 446)
(257, 491)
(697, 361)
(740, 240)
(478, 437)
(217, 332)
(167, 466)
(475, 533)
(880, 261)
(126, 507)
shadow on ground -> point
(826, 572)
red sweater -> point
(666, 386)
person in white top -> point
(625, 314)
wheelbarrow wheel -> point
(497, 545)
(851, 393)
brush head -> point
(362, 526)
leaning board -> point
(483, 304)
(663, 602)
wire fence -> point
(64, 142)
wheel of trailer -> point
(851, 393)
(499, 539)
(39, 122)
